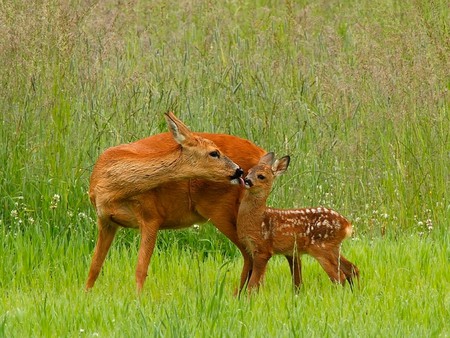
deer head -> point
(212, 164)
(261, 176)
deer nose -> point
(239, 172)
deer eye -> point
(261, 177)
(214, 153)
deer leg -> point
(259, 268)
(148, 239)
(246, 271)
(295, 265)
(332, 264)
(349, 269)
(106, 233)
(228, 228)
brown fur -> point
(144, 185)
(265, 231)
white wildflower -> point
(429, 223)
(55, 200)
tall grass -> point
(357, 92)
(188, 295)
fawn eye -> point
(214, 153)
(261, 177)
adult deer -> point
(168, 181)
(124, 177)
(265, 231)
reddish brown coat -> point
(266, 231)
(170, 200)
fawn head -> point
(203, 155)
(261, 176)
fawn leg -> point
(226, 224)
(246, 273)
(334, 264)
(248, 260)
(295, 265)
(259, 268)
(349, 269)
(106, 233)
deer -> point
(170, 180)
(124, 173)
(265, 231)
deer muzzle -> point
(248, 183)
(237, 177)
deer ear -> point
(281, 165)
(178, 129)
(267, 159)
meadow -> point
(356, 92)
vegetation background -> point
(357, 92)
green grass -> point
(357, 92)
(403, 290)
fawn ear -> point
(178, 129)
(281, 165)
(267, 159)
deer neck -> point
(251, 211)
(134, 175)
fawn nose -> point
(248, 183)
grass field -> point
(357, 92)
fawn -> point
(266, 231)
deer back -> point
(134, 168)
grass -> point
(403, 289)
(356, 92)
